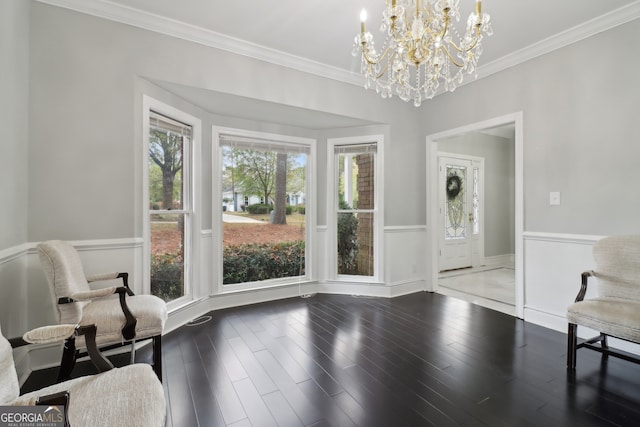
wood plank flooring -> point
(417, 360)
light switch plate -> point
(554, 198)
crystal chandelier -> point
(421, 48)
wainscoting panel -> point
(13, 315)
(206, 280)
(321, 254)
(553, 264)
(553, 267)
(404, 255)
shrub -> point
(258, 208)
(288, 210)
(166, 276)
(301, 209)
(347, 241)
(254, 262)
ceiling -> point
(317, 36)
(255, 109)
(323, 31)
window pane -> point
(356, 181)
(167, 255)
(264, 221)
(355, 243)
(166, 145)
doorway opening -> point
(476, 254)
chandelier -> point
(421, 48)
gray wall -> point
(14, 98)
(580, 109)
(14, 111)
(84, 157)
(499, 194)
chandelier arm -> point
(451, 58)
(384, 71)
(372, 61)
(439, 35)
(473, 45)
(426, 42)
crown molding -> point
(572, 35)
(174, 28)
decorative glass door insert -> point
(455, 203)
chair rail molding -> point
(12, 253)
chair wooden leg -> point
(157, 356)
(68, 361)
(572, 343)
(605, 346)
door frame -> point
(431, 284)
(476, 257)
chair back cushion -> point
(618, 267)
(63, 268)
(9, 387)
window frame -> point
(333, 209)
(216, 178)
(190, 173)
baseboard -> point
(372, 289)
(545, 319)
(256, 296)
(44, 356)
(22, 364)
(500, 260)
(406, 287)
(186, 313)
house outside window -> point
(267, 243)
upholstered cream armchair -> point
(615, 310)
(120, 320)
(127, 396)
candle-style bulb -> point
(363, 19)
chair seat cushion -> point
(106, 313)
(612, 316)
(127, 396)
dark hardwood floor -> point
(417, 360)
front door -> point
(460, 211)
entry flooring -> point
(490, 286)
(422, 359)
